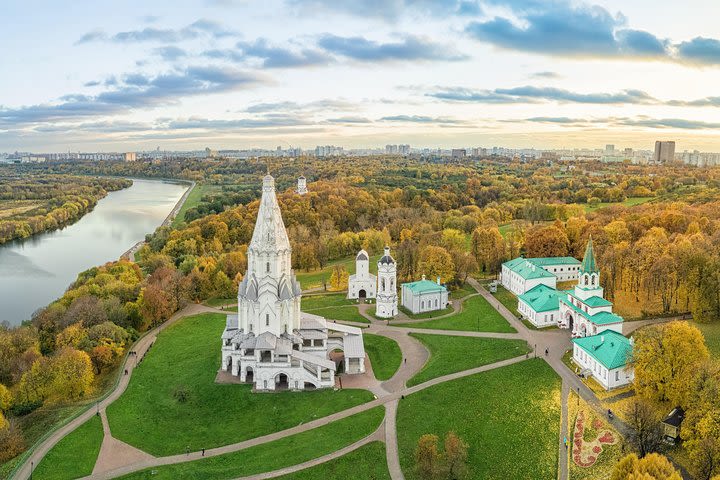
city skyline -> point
(235, 74)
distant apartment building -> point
(458, 153)
(664, 152)
(328, 151)
(130, 156)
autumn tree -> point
(455, 458)
(647, 435)
(488, 247)
(436, 262)
(5, 398)
(651, 467)
(427, 457)
(339, 278)
(12, 442)
(701, 427)
(665, 358)
(548, 241)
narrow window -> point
(267, 319)
(267, 267)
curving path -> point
(117, 458)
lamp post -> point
(535, 350)
(32, 464)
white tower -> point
(301, 185)
(269, 295)
(386, 305)
(361, 284)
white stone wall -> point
(423, 302)
(539, 319)
(614, 378)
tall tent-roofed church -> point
(386, 305)
(271, 343)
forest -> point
(34, 203)
(656, 232)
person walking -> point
(546, 352)
(203, 452)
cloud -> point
(267, 121)
(279, 57)
(136, 91)
(348, 120)
(676, 123)
(558, 120)
(700, 50)
(170, 53)
(420, 119)
(549, 75)
(409, 48)
(531, 94)
(388, 10)
(315, 106)
(166, 35)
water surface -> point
(37, 270)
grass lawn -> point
(74, 456)
(455, 354)
(187, 355)
(477, 315)
(464, 290)
(317, 277)
(630, 202)
(711, 332)
(385, 355)
(348, 313)
(311, 302)
(273, 455)
(507, 298)
(594, 424)
(367, 462)
(218, 302)
(509, 417)
(193, 200)
(433, 314)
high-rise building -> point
(130, 156)
(609, 149)
(664, 152)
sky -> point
(136, 75)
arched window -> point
(267, 267)
(285, 328)
(382, 284)
(436, 303)
(267, 319)
(586, 279)
(422, 304)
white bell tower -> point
(386, 305)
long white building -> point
(271, 343)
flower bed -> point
(586, 452)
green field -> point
(74, 456)
(630, 202)
(274, 455)
(193, 200)
(367, 462)
(465, 290)
(348, 313)
(385, 355)
(312, 302)
(508, 299)
(316, 278)
(711, 332)
(509, 417)
(428, 315)
(455, 354)
(477, 315)
(186, 356)
(218, 302)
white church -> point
(383, 287)
(270, 342)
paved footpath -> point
(117, 458)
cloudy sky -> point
(108, 75)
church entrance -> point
(249, 375)
(362, 295)
(570, 321)
(281, 382)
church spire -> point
(269, 233)
(588, 263)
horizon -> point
(359, 74)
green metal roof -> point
(588, 263)
(526, 269)
(593, 301)
(609, 348)
(424, 286)
(545, 261)
(600, 318)
(542, 298)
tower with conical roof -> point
(301, 185)
(589, 279)
(386, 305)
(269, 295)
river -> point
(37, 270)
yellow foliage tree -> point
(339, 279)
(488, 248)
(72, 336)
(436, 262)
(651, 467)
(665, 358)
(5, 398)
